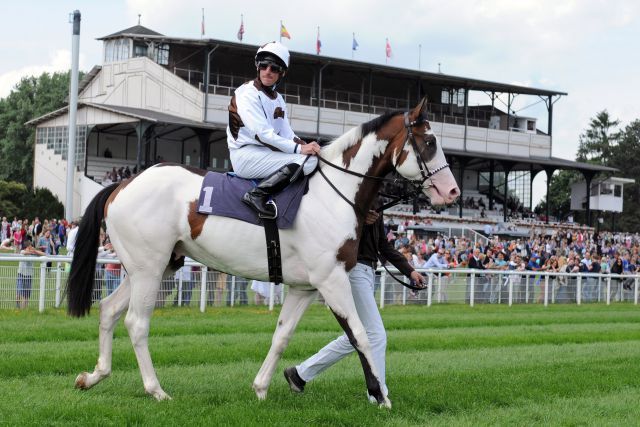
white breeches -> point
(254, 161)
(362, 287)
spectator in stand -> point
(25, 276)
(106, 180)
(437, 260)
(186, 275)
(18, 237)
(46, 243)
(71, 237)
(15, 224)
(112, 270)
(62, 232)
(5, 229)
(475, 262)
(420, 262)
(36, 230)
(239, 290)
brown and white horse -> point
(153, 224)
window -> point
(162, 54)
(139, 50)
(594, 190)
(453, 96)
(606, 189)
(116, 50)
(617, 191)
(124, 49)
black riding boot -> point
(256, 198)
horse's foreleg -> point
(295, 304)
(111, 308)
(144, 291)
(337, 294)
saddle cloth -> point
(221, 194)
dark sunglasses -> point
(275, 68)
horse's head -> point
(417, 156)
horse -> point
(317, 252)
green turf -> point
(447, 365)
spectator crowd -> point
(563, 251)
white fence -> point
(201, 287)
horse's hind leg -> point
(295, 304)
(111, 308)
(144, 290)
(336, 291)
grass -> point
(447, 365)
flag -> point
(354, 44)
(202, 25)
(241, 29)
(388, 49)
(284, 32)
(318, 43)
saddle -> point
(221, 195)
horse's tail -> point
(80, 283)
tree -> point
(11, 197)
(17, 200)
(626, 157)
(597, 143)
(559, 194)
(32, 97)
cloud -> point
(59, 60)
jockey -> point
(260, 139)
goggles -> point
(275, 68)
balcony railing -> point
(225, 84)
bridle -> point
(422, 164)
(416, 185)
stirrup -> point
(275, 209)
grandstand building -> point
(159, 98)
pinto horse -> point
(317, 253)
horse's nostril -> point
(455, 192)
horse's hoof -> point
(261, 392)
(160, 395)
(386, 404)
(81, 381)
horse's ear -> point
(420, 109)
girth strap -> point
(274, 256)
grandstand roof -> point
(437, 78)
(137, 113)
(481, 162)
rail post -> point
(203, 289)
(58, 282)
(43, 278)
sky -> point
(586, 48)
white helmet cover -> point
(276, 49)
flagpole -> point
(419, 55)
(353, 51)
(202, 26)
(280, 31)
(317, 40)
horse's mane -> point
(375, 124)
(354, 135)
